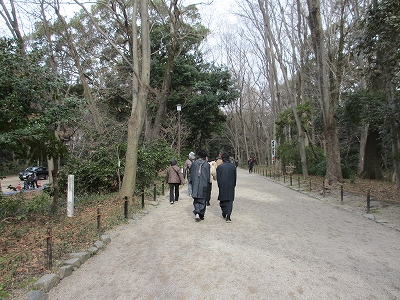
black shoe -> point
(228, 219)
(208, 203)
(224, 215)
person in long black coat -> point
(200, 177)
(226, 179)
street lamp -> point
(179, 108)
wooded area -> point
(97, 93)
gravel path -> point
(281, 244)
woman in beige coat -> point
(174, 179)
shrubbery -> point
(98, 173)
(289, 153)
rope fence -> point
(306, 184)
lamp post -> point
(179, 108)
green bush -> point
(153, 159)
(318, 169)
(39, 204)
(10, 207)
(289, 153)
(347, 172)
(19, 206)
(98, 173)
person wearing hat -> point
(186, 171)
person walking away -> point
(174, 179)
(213, 176)
(251, 164)
(226, 179)
(200, 177)
(186, 171)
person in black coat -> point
(200, 177)
(226, 179)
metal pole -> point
(368, 201)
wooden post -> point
(49, 249)
(98, 221)
(126, 207)
(341, 193)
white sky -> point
(215, 15)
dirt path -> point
(281, 244)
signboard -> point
(273, 145)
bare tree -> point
(10, 17)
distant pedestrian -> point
(186, 171)
(226, 179)
(200, 177)
(174, 179)
(250, 163)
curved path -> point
(281, 244)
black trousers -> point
(226, 207)
(199, 206)
(173, 192)
(208, 195)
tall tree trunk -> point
(395, 127)
(333, 171)
(140, 85)
(372, 167)
(363, 143)
(56, 188)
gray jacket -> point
(200, 177)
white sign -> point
(273, 144)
